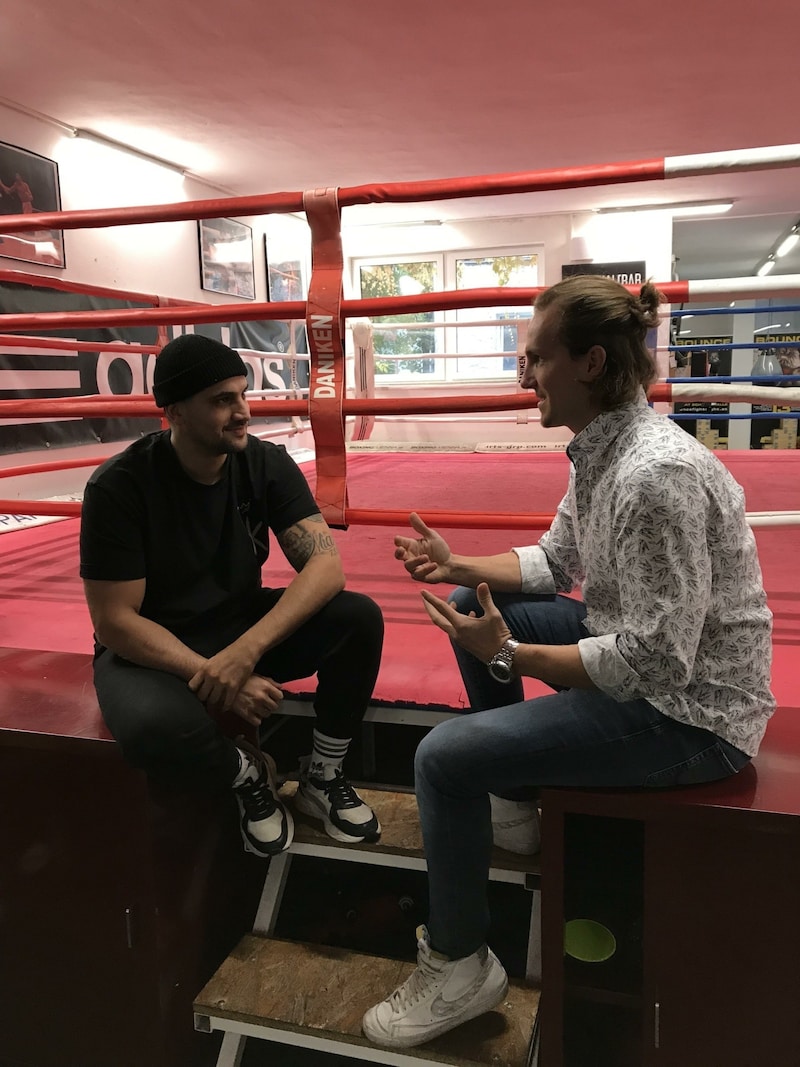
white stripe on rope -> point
(786, 284)
(773, 518)
(785, 155)
(738, 393)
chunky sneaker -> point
(438, 996)
(267, 826)
(515, 825)
(324, 793)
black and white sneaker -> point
(267, 826)
(333, 800)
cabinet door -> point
(77, 924)
(722, 942)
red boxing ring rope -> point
(421, 191)
(326, 403)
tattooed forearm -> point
(299, 543)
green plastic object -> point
(588, 941)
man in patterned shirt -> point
(661, 671)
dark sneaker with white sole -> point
(266, 824)
(333, 800)
(436, 997)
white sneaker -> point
(515, 825)
(438, 996)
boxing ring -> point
(367, 496)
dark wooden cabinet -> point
(701, 889)
(117, 900)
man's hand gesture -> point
(483, 636)
(426, 558)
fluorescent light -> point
(109, 142)
(689, 207)
(686, 210)
(787, 244)
(765, 268)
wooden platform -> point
(293, 992)
(401, 837)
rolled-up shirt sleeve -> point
(554, 565)
(664, 572)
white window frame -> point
(446, 370)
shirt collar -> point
(605, 428)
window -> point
(408, 277)
(478, 347)
(448, 351)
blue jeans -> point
(510, 747)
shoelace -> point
(340, 793)
(257, 798)
(416, 986)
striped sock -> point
(328, 755)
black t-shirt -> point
(200, 548)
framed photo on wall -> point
(29, 186)
(226, 257)
(285, 278)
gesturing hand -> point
(481, 636)
(426, 557)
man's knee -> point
(359, 614)
(436, 751)
(466, 600)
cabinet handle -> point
(656, 1024)
(129, 927)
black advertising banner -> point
(31, 372)
(704, 362)
(783, 359)
(631, 273)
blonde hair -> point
(594, 310)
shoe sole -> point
(308, 807)
(272, 776)
(378, 1037)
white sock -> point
(327, 755)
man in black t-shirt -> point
(174, 533)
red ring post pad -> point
(325, 327)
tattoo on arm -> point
(299, 543)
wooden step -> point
(313, 996)
(401, 837)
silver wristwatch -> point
(501, 664)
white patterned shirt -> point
(652, 530)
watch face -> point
(500, 671)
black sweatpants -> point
(166, 731)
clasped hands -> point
(226, 682)
(427, 558)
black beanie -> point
(190, 364)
